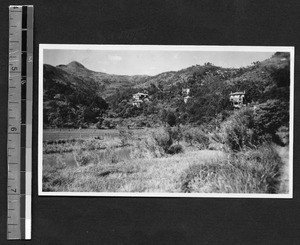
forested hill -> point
(77, 74)
(85, 96)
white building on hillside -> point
(139, 98)
(237, 99)
(185, 93)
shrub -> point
(107, 123)
(171, 119)
(146, 148)
(91, 144)
(125, 136)
(195, 136)
(175, 149)
(110, 155)
(99, 125)
(254, 171)
(81, 157)
(188, 175)
(237, 130)
(100, 122)
(175, 133)
(201, 139)
(188, 136)
(251, 127)
(270, 116)
(163, 138)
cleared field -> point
(57, 134)
(139, 161)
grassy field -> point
(132, 161)
(134, 175)
(57, 134)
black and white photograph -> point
(166, 121)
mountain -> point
(86, 95)
(75, 73)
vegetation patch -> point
(253, 171)
(175, 149)
(196, 136)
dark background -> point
(101, 220)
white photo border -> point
(43, 47)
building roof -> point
(238, 93)
(140, 94)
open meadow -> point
(158, 161)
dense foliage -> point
(250, 127)
(76, 97)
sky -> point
(149, 62)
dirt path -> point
(284, 183)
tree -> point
(163, 115)
(271, 115)
(99, 124)
(171, 119)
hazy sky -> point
(149, 62)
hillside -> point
(94, 95)
(75, 73)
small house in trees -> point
(185, 93)
(139, 98)
(237, 99)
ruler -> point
(19, 135)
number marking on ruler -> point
(19, 137)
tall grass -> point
(146, 148)
(238, 131)
(92, 178)
(253, 171)
(196, 136)
(134, 175)
(125, 136)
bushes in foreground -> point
(253, 171)
(125, 136)
(238, 130)
(251, 127)
(195, 136)
(146, 148)
(175, 149)
(162, 138)
(157, 143)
